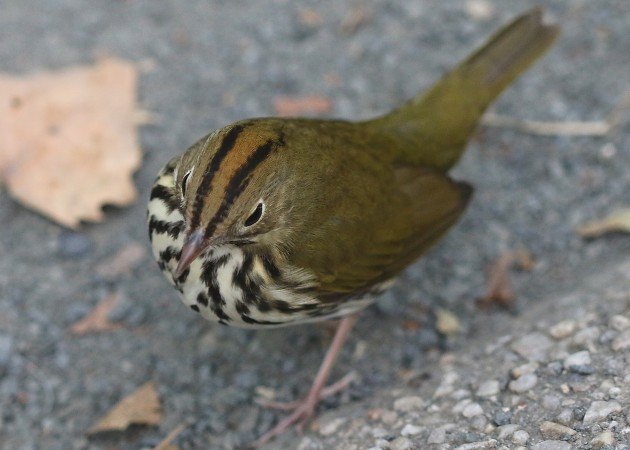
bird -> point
(269, 222)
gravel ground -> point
(553, 376)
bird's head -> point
(231, 190)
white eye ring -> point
(185, 180)
(256, 214)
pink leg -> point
(326, 392)
(306, 408)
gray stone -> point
(602, 439)
(582, 358)
(524, 383)
(554, 368)
(506, 431)
(407, 404)
(490, 443)
(587, 337)
(600, 410)
(437, 436)
(520, 437)
(479, 423)
(552, 445)
(533, 346)
(621, 342)
(579, 412)
(488, 388)
(472, 410)
(619, 322)
(332, 426)
(411, 430)
(550, 402)
(523, 369)
(552, 430)
(502, 418)
(401, 443)
(582, 370)
(562, 329)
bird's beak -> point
(193, 246)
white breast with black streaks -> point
(229, 284)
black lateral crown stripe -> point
(238, 182)
(206, 183)
(163, 193)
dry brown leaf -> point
(68, 140)
(294, 106)
(618, 221)
(96, 320)
(499, 287)
(141, 407)
(126, 259)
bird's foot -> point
(303, 410)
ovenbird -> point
(271, 222)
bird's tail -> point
(435, 125)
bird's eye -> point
(256, 215)
(185, 182)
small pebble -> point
(472, 410)
(550, 402)
(582, 369)
(552, 430)
(533, 346)
(579, 412)
(479, 423)
(587, 337)
(488, 388)
(437, 436)
(408, 404)
(520, 437)
(562, 329)
(389, 417)
(602, 439)
(447, 323)
(506, 431)
(552, 445)
(491, 443)
(582, 358)
(621, 342)
(401, 443)
(523, 383)
(411, 430)
(460, 394)
(502, 418)
(565, 417)
(554, 368)
(524, 369)
(600, 410)
(331, 427)
(620, 322)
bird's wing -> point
(412, 209)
